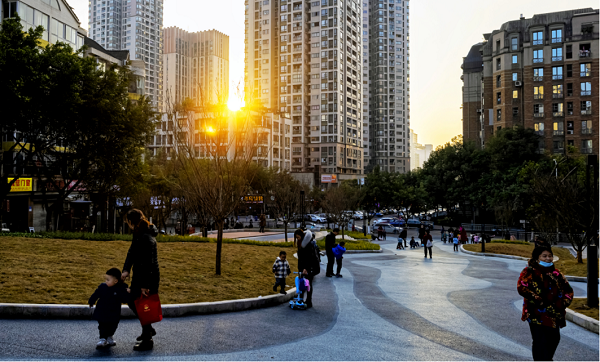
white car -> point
(317, 219)
(390, 229)
(358, 215)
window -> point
(569, 70)
(498, 64)
(556, 35)
(569, 51)
(558, 129)
(515, 94)
(498, 81)
(586, 127)
(515, 77)
(585, 69)
(557, 54)
(570, 108)
(538, 38)
(586, 146)
(586, 107)
(570, 128)
(569, 89)
(538, 56)
(557, 91)
(558, 146)
(498, 98)
(497, 45)
(586, 89)
(557, 73)
(557, 110)
(539, 128)
(515, 111)
(515, 59)
(514, 44)
(538, 92)
(538, 110)
(499, 115)
(538, 74)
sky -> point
(438, 41)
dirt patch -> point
(68, 271)
(579, 305)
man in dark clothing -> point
(403, 235)
(329, 244)
(308, 264)
(142, 256)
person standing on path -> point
(329, 244)
(143, 258)
(546, 295)
(403, 235)
(308, 263)
(262, 223)
(421, 233)
(455, 242)
(463, 236)
(428, 240)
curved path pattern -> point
(391, 306)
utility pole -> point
(592, 232)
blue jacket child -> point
(110, 296)
(338, 251)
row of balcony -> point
(584, 112)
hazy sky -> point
(441, 33)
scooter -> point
(299, 302)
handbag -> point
(148, 309)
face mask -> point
(543, 263)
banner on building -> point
(329, 179)
(253, 199)
(21, 185)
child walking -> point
(109, 295)
(455, 241)
(400, 243)
(338, 251)
(281, 269)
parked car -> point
(313, 226)
(317, 219)
(390, 229)
(390, 220)
(358, 215)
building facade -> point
(542, 73)
(194, 64)
(471, 92)
(386, 35)
(304, 61)
(419, 153)
(136, 26)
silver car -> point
(390, 229)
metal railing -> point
(557, 114)
(539, 115)
(587, 112)
(586, 131)
(558, 133)
(557, 95)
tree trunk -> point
(219, 246)
(579, 256)
(285, 228)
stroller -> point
(301, 293)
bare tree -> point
(287, 197)
(338, 204)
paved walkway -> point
(391, 306)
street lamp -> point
(302, 223)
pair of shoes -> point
(308, 305)
(144, 345)
(338, 276)
(102, 343)
(110, 341)
(275, 288)
(283, 292)
(429, 257)
(141, 337)
(328, 275)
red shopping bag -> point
(148, 309)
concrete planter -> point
(583, 321)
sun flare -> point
(234, 103)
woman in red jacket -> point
(546, 294)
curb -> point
(82, 311)
(363, 251)
(581, 320)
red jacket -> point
(546, 294)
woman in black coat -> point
(142, 256)
(308, 264)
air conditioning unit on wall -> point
(518, 83)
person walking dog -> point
(546, 295)
(142, 257)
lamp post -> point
(592, 249)
(302, 223)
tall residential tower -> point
(134, 25)
(304, 60)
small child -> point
(338, 251)
(110, 295)
(281, 269)
(413, 243)
(455, 241)
(400, 243)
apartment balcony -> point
(586, 112)
(558, 150)
(585, 53)
(538, 96)
(557, 59)
(297, 18)
(586, 151)
(556, 40)
(537, 42)
(586, 93)
(539, 133)
(558, 114)
(539, 115)
(586, 131)
(557, 77)
(557, 95)
(297, 7)
(558, 133)
(538, 78)
(297, 38)
(538, 60)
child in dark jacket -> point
(281, 269)
(110, 295)
(338, 251)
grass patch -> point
(566, 263)
(579, 305)
(355, 234)
(517, 242)
(43, 270)
(352, 245)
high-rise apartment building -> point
(195, 62)
(539, 73)
(134, 25)
(304, 60)
(385, 42)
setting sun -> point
(234, 103)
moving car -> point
(392, 221)
(390, 229)
(413, 222)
